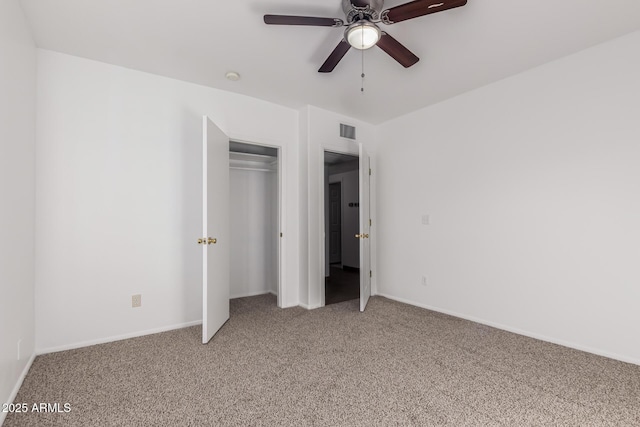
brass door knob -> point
(362, 236)
(200, 241)
(211, 241)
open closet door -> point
(215, 229)
(365, 226)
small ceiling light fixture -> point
(363, 34)
(233, 76)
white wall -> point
(320, 131)
(303, 195)
(119, 208)
(17, 187)
(254, 230)
(531, 185)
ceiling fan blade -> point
(418, 8)
(397, 51)
(302, 20)
(338, 53)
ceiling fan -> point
(362, 17)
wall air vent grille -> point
(347, 131)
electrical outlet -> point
(424, 280)
(425, 219)
(136, 300)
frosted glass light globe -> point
(363, 35)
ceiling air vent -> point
(347, 131)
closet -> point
(254, 215)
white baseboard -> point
(309, 307)
(116, 338)
(133, 334)
(252, 294)
(518, 331)
(290, 306)
(16, 388)
(287, 304)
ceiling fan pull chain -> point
(362, 75)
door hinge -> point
(370, 273)
(280, 234)
(369, 222)
(369, 171)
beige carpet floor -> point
(394, 365)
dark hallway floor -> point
(341, 285)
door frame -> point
(282, 241)
(352, 150)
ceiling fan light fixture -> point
(363, 34)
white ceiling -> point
(200, 40)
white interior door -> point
(215, 229)
(365, 226)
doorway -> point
(342, 211)
(254, 183)
(335, 223)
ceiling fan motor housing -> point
(356, 10)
